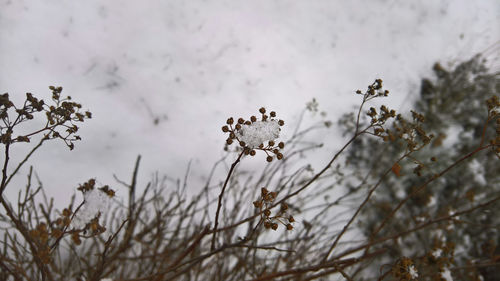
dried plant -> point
(284, 222)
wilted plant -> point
(162, 234)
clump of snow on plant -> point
(95, 202)
(446, 275)
(437, 253)
(259, 132)
(413, 271)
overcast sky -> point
(161, 77)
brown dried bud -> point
(56, 233)
(272, 113)
(241, 120)
(273, 194)
(264, 191)
(271, 143)
(267, 212)
(225, 129)
(281, 122)
(230, 121)
(289, 227)
(253, 118)
(257, 204)
(269, 158)
(66, 212)
(262, 110)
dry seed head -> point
(225, 129)
(272, 113)
(271, 143)
(267, 212)
(289, 227)
(238, 126)
(264, 191)
(279, 156)
(253, 119)
(262, 110)
(274, 226)
(230, 121)
(291, 219)
(281, 145)
(252, 152)
(241, 120)
(281, 122)
(66, 212)
(56, 233)
(269, 158)
(257, 204)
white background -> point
(192, 64)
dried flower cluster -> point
(61, 117)
(271, 221)
(256, 134)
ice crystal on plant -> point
(95, 202)
(259, 132)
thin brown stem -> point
(221, 195)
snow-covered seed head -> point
(256, 134)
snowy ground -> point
(161, 77)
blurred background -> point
(161, 77)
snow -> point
(96, 202)
(259, 132)
(446, 275)
(413, 271)
(161, 77)
(437, 253)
